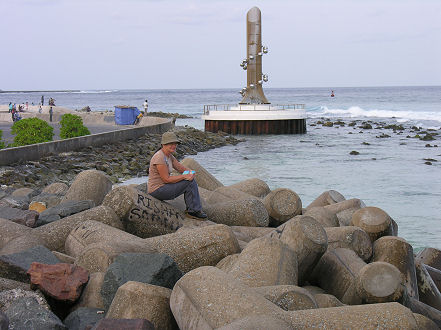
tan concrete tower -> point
(253, 93)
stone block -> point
(23, 217)
(8, 297)
(63, 210)
(8, 284)
(135, 300)
(14, 266)
(26, 313)
(4, 321)
(24, 192)
(142, 214)
(89, 185)
(266, 261)
(155, 268)
(63, 282)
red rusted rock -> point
(60, 281)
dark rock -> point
(50, 200)
(16, 202)
(354, 152)
(427, 137)
(8, 284)
(9, 296)
(383, 135)
(23, 217)
(365, 126)
(27, 193)
(366, 144)
(83, 317)
(63, 210)
(26, 313)
(4, 321)
(152, 268)
(14, 266)
(328, 124)
(118, 324)
(61, 281)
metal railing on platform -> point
(251, 107)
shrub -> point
(72, 126)
(2, 144)
(30, 131)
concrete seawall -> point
(36, 151)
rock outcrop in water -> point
(335, 263)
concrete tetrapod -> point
(350, 237)
(282, 204)
(374, 221)
(207, 298)
(249, 212)
(396, 251)
(54, 235)
(327, 198)
(428, 292)
(325, 217)
(10, 230)
(247, 234)
(307, 238)
(227, 194)
(430, 257)
(142, 214)
(266, 261)
(135, 300)
(204, 179)
(189, 248)
(254, 186)
(288, 297)
(353, 203)
(89, 184)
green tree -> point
(2, 144)
(72, 126)
(30, 131)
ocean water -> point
(389, 173)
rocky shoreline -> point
(120, 161)
(91, 255)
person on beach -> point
(10, 107)
(146, 106)
(42, 99)
(164, 186)
(39, 109)
(51, 112)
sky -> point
(179, 44)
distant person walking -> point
(146, 106)
(51, 112)
(42, 99)
(40, 109)
(10, 107)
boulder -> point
(142, 214)
(83, 317)
(8, 297)
(155, 268)
(24, 192)
(89, 185)
(327, 198)
(23, 217)
(63, 282)
(26, 313)
(4, 321)
(63, 210)
(21, 203)
(14, 266)
(135, 300)
(8, 284)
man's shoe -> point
(196, 214)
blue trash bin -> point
(125, 114)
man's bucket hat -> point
(169, 137)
